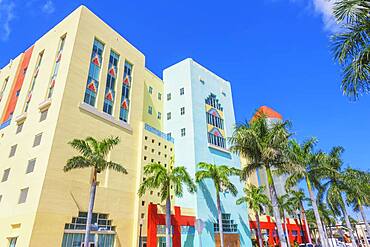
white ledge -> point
(88, 108)
(218, 148)
(43, 106)
(21, 118)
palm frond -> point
(77, 162)
(115, 167)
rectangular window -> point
(5, 175)
(23, 196)
(159, 115)
(37, 140)
(202, 81)
(182, 91)
(43, 115)
(168, 115)
(159, 96)
(56, 67)
(13, 149)
(19, 128)
(182, 110)
(1, 197)
(31, 166)
(94, 73)
(3, 87)
(183, 132)
(33, 82)
(150, 90)
(168, 96)
(12, 242)
(150, 110)
(110, 92)
(125, 97)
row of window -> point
(36, 142)
(182, 92)
(213, 101)
(159, 95)
(215, 121)
(23, 194)
(216, 140)
(110, 89)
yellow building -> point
(80, 79)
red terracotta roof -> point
(268, 112)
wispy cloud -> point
(6, 16)
(325, 9)
(48, 7)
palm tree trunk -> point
(348, 223)
(275, 208)
(286, 229)
(361, 208)
(168, 221)
(323, 240)
(90, 209)
(219, 212)
(330, 244)
(259, 234)
(306, 224)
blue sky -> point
(274, 52)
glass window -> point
(23, 196)
(150, 110)
(3, 87)
(31, 166)
(183, 132)
(94, 73)
(33, 82)
(12, 242)
(19, 128)
(168, 96)
(125, 96)
(182, 110)
(159, 115)
(110, 87)
(159, 96)
(5, 175)
(168, 115)
(37, 140)
(150, 90)
(56, 67)
(13, 149)
(43, 115)
(182, 91)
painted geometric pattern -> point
(111, 83)
(56, 67)
(125, 97)
(212, 129)
(210, 109)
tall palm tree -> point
(220, 175)
(264, 144)
(335, 187)
(308, 167)
(358, 193)
(297, 198)
(93, 155)
(159, 177)
(351, 47)
(256, 199)
(328, 217)
(286, 207)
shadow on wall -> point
(246, 229)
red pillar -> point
(152, 225)
(176, 237)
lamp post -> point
(141, 228)
(300, 225)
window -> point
(12, 150)
(142, 203)
(94, 73)
(182, 110)
(125, 97)
(202, 81)
(183, 132)
(228, 224)
(182, 91)
(146, 138)
(159, 96)
(1, 197)
(33, 82)
(31, 166)
(168, 96)
(110, 86)
(152, 160)
(159, 115)
(43, 115)
(145, 157)
(5, 175)
(23, 196)
(37, 140)
(12, 242)
(3, 87)
(150, 90)
(56, 67)
(150, 110)
(19, 128)
(168, 115)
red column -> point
(152, 225)
(176, 237)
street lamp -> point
(141, 228)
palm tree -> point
(264, 144)
(286, 207)
(335, 187)
(328, 219)
(220, 177)
(297, 198)
(358, 193)
(308, 167)
(351, 47)
(256, 199)
(159, 177)
(93, 154)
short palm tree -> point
(308, 166)
(93, 155)
(159, 177)
(264, 144)
(298, 197)
(220, 175)
(286, 207)
(335, 187)
(256, 199)
(358, 193)
(351, 46)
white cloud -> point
(48, 7)
(6, 16)
(325, 9)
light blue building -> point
(200, 116)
